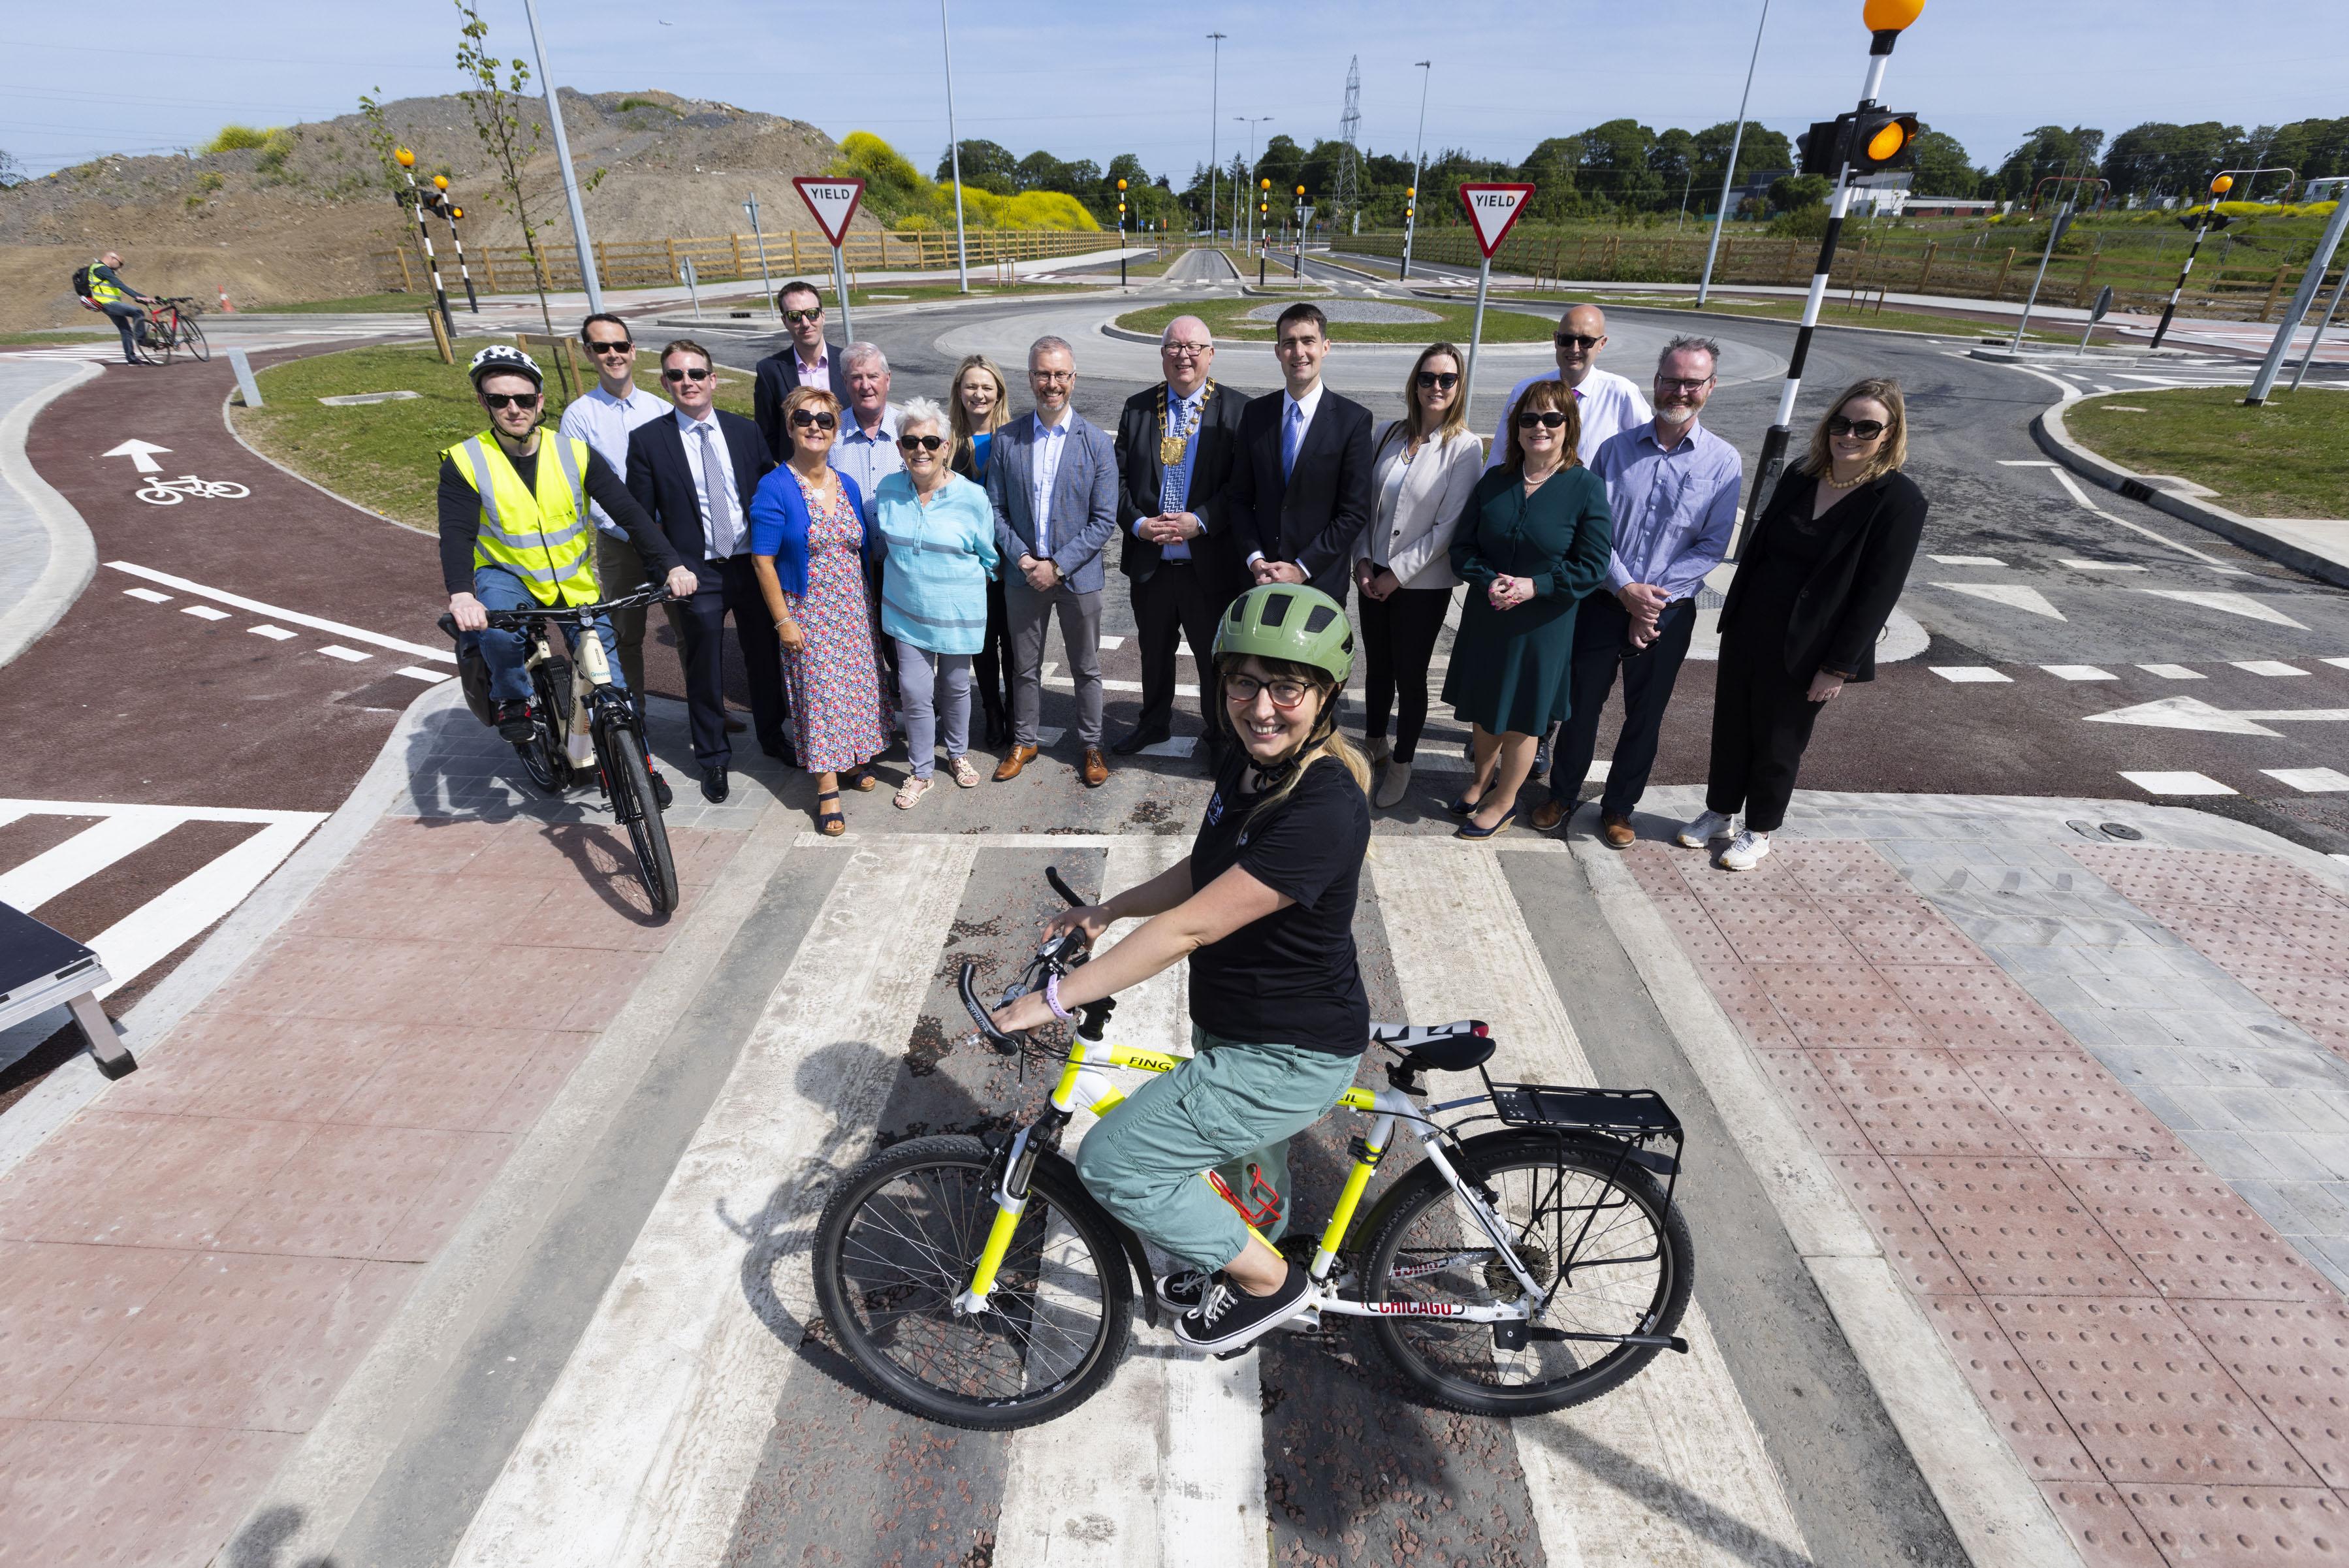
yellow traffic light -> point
(1300, 189)
(1890, 15)
(1887, 143)
(440, 182)
(1411, 192)
(2222, 184)
(1121, 184)
(456, 212)
(407, 158)
(1265, 184)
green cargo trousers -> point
(1232, 1107)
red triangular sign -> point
(834, 202)
(1491, 208)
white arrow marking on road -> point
(141, 454)
(2233, 604)
(2193, 714)
(2012, 595)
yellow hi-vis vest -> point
(545, 538)
(100, 290)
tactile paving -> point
(2147, 1401)
(1974, 1009)
(1781, 930)
(1840, 868)
(61, 1305)
(143, 1180)
(342, 1193)
(101, 1492)
(2101, 1524)
(1816, 1110)
(1917, 1102)
(2293, 1357)
(2065, 1104)
(2205, 877)
(2010, 1391)
(2191, 1232)
(1901, 928)
(1741, 996)
(1832, 1007)
(1910, 1244)
(2242, 1526)
(2014, 1230)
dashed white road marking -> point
(2275, 668)
(2103, 565)
(149, 595)
(347, 655)
(2311, 781)
(204, 612)
(1968, 560)
(2024, 463)
(2173, 672)
(273, 633)
(1971, 674)
(277, 612)
(2175, 782)
(429, 676)
(2078, 672)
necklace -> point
(1173, 444)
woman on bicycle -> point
(1263, 908)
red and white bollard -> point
(224, 304)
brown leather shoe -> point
(1616, 832)
(1094, 770)
(1548, 813)
(1015, 759)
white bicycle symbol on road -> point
(168, 492)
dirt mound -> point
(297, 219)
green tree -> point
(1793, 192)
(2049, 151)
(1550, 167)
(510, 139)
(1615, 165)
(1942, 167)
(1672, 160)
(986, 166)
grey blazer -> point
(1084, 498)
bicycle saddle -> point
(1440, 1048)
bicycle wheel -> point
(543, 755)
(629, 784)
(896, 1244)
(192, 338)
(154, 339)
(1629, 1270)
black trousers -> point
(993, 661)
(1177, 600)
(1603, 629)
(1761, 719)
(1398, 635)
(731, 585)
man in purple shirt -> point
(1673, 487)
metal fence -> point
(653, 264)
(1980, 267)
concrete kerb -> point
(71, 554)
(1990, 1499)
(2048, 430)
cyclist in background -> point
(1263, 908)
(109, 293)
(514, 530)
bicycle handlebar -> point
(1053, 875)
(1056, 957)
(512, 620)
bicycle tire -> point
(154, 341)
(545, 756)
(854, 1273)
(1459, 1363)
(192, 338)
(630, 784)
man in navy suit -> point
(1052, 477)
(1300, 492)
(808, 359)
(696, 472)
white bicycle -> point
(170, 492)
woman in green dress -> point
(1535, 538)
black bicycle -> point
(171, 325)
(578, 703)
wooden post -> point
(1998, 289)
(1786, 266)
(738, 255)
(407, 283)
(440, 337)
(2274, 289)
(795, 250)
(1926, 272)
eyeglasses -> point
(813, 420)
(1052, 378)
(1241, 689)
(1663, 385)
(1548, 418)
(512, 400)
(1447, 380)
(1581, 341)
(796, 318)
(926, 443)
(610, 346)
(689, 373)
(1865, 429)
(1188, 350)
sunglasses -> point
(691, 374)
(1865, 429)
(1242, 690)
(1447, 380)
(1579, 340)
(926, 443)
(796, 318)
(611, 346)
(812, 420)
(512, 400)
(1548, 418)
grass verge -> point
(2287, 458)
(66, 335)
(1229, 319)
(386, 456)
(1830, 314)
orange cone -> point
(224, 304)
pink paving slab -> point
(2242, 1527)
(101, 1494)
(61, 1305)
(2293, 1358)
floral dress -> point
(838, 700)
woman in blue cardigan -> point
(814, 560)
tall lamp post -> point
(1418, 166)
(1251, 121)
(587, 277)
(1878, 138)
(1729, 175)
(954, 153)
(1214, 148)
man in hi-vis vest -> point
(515, 529)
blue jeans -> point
(503, 652)
(127, 316)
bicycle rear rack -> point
(1634, 1122)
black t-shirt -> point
(1290, 978)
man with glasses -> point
(513, 532)
(1176, 443)
(867, 448)
(1053, 479)
(695, 471)
(1672, 486)
(1608, 403)
(1301, 489)
(807, 360)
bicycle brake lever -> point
(966, 984)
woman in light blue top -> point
(938, 543)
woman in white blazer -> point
(1424, 467)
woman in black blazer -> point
(1820, 574)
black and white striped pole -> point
(407, 161)
(2218, 187)
(1866, 137)
(450, 212)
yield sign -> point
(1492, 209)
(834, 202)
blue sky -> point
(1093, 80)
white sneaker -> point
(1707, 827)
(1747, 851)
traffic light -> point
(2213, 219)
(1871, 142)
(456, 212)
(1410, 201)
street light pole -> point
(1418, 165)
(1729, 175)
(1251, 121)
(1214, 148)
(766, 283)
(2264, 383)
(954, 152)
(569, 178)
(2310, 358)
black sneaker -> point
(1230, 1318)
(515, 722)
(1184, 1289)
(662, 795)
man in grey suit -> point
(1053, 478)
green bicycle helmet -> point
(1291, 621)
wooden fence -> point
(653, 264)
(1982, 266)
